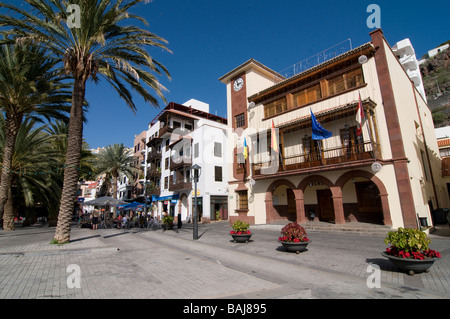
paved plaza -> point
(155, 264)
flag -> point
(245, 151)
(359, 117)
(274, 144)
(318, 132)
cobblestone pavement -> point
(139, 263)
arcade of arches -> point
(357, 196)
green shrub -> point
(240, 226)
(408, 240)
(167, 220)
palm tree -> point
(34, 171)
(30, 86)
(103, 45)
(115, 160)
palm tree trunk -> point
(8, 217)
(114, 186)
(73, 157)
(12, 125)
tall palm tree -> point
(102, 45)
(115, 160)
(34, 170)
(29, 85)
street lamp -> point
(196, 173)
(146, 183)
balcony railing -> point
(182, 161)
(154, 154)
(182, 184)
(154, 172)
(326, 157)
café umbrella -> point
(104, 201)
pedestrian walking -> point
(95, 216)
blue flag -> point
(318, 132)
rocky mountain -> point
(436, 79)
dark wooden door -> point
(292, 209)
(326, 205)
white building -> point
(407, 57)
(179, 137)
(438, 50)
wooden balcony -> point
(179, 185)
(154, 154)
(153, 190)
(326, 160)
(154, 172)
(165, 130)
(183, 161)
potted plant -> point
(409, 250)
(240, 232)
(167, 222)
(294, 238)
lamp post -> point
(145, 197)
(196, 173)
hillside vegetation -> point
(436, 79)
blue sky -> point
(208, 38)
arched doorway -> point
(184, 207)
(281, 201)
(319, 198)
(365, 198)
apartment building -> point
(181, 136)
(380, 165)
(139, 155)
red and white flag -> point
(359, 117)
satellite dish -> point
(252, 182)
(362, 59)
(251, 105)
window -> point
(240, 120)
(218, 173)
(188, 127)
(196, 150)
(166, 182)
(166, 163)
(275, 107)
(242, 200)
(176, 124)
(308, 95)
(345, 81)
(217, 149)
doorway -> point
(326, 207)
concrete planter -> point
(241, 238)
(295, 247)
(411, 266)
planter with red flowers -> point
(409, 250)
(294, 238)
(240, 232)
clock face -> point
(238, 84)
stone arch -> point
(305, 183)
(271, 213)
(344, 178)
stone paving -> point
(144, 264)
